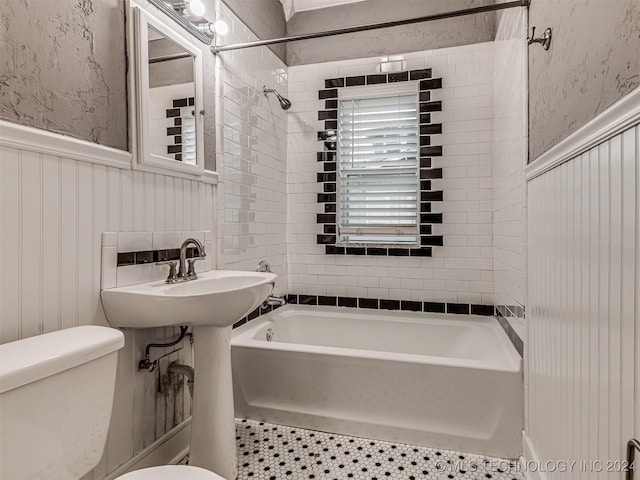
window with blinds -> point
(378, 167)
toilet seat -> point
(171, 472)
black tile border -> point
(126, 259)
(426, 151)
(397, 305)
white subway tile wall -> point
(461, 270)
(509, 160)
(251, 156)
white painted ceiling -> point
(292, 6)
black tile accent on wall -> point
(434, 307)
(324, 218)
(174, 131)
(459, 308)
(180, 102)
(326, 156)
(327, 114)
(327, 301)
(326, 239)
(172, 112)
(432, 240)
(177, 121)
(431, 84)
(333, 250)
(411, 306)
(307, 300)
(431, 129)
(426, 107)
(375, 79)
(389, 305)
(325, 94)
(368, 303)
(420, 74)
(482, 310)
(326, 197)
(330, 166)
(174, 148)
(355, 81)
(425, 162)
(432, 173)
(328, 175)
(347, 302)
(430, 218)
(434, 196)
(435, 151)
(425, 96)
(421, 252)
(334, 82)
(398, 77)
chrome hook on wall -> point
(544, 40)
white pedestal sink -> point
(212, 304)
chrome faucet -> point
(189, 273)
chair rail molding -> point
(617, 118)
(50, 143)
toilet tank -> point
(56, 394)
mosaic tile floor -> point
(277, 452)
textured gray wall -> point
(594, 60)
(408, 38)
(62, 68)
(265, 18)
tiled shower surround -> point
(461, 271)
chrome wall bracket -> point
(544, 40)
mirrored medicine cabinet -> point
(167, 96)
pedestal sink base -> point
(213, 433)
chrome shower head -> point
(284, 102)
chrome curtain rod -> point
(363, 28)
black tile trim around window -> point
(397, 305)
(327, 177)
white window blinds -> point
(378, 169)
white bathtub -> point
(445, 381)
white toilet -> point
(56, 394)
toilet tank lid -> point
(34, 358)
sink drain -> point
(269, 335)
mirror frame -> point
(141, 138)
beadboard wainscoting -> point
(582, 350)
(57, 196)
